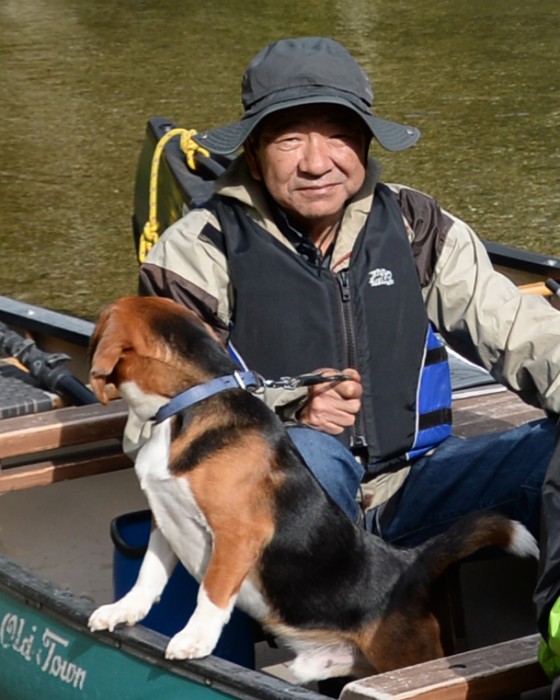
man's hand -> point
(333, 407)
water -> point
(78, 81)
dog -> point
(234, 502)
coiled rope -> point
(189, 147)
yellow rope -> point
(189, 147)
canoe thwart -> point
(482, 674)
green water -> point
(79, 78)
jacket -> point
(477, 311)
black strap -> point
(442, 416)
(435, 355)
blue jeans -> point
(334, 467)
(499, 471)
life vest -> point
(293, 317)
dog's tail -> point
(472, 533)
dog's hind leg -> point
(315, 661)
(157, 566)
(402, 638)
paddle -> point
(548, 288)
(48, 369)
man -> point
(303, 260)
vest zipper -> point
(357, 432)
(348, 321)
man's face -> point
(312, 161)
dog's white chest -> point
(179, 517)
(173, 504)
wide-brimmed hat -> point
(302, 71)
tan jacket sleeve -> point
(483, 315)
(187, 267)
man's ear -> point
(249, 148)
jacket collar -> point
(238, 183)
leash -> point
(249, 381)
(309, 379)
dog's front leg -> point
(228, 567)
(157, 566)
(202, 632)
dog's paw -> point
(107, 617)
(202, 632)
(191, 644)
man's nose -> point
(316, 155)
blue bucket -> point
(130, 534)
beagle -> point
(234, 502)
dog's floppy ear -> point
(123, 325)
(106, 347)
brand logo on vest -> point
(380, 277)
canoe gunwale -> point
(147, 645)
(42, 321)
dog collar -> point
(238, 380)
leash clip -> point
(309, 379)
(282, 383)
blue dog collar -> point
(238, 380)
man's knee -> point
(334, 466)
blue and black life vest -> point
(293, 317)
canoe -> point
(74, 451)
(46, 649)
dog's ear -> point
(121, 326)
(106, 347)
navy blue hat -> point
(307, 70)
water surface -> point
(78, 81)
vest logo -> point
(381, 277)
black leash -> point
(303, 380)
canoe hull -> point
(47, 651)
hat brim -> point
(230, 138)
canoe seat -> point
(64, 443)
(495, 671)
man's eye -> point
(287, 141)
(343, 137)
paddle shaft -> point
(547, 288)
(48, 369)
